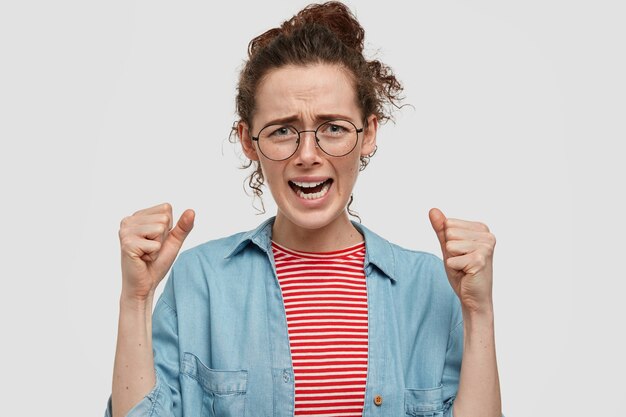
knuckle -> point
(124, 232)
(450, 233)
(167, 207)
(449, 246)
(488, 249)
(480, 259)
(124, 222)
(125, 241)
(483, 226)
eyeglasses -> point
(334, 137)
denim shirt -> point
(221, 346)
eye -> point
(336, 128)
(280, 131)
(278, 134)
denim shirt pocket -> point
(223, 391)
(425, 402)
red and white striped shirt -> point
(326, 305)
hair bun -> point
(333, 15)
(336, 17)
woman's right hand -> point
(149, 246)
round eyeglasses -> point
(334, 137)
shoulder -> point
(207, 253)
(224, 249)
(209, 264)
(396, 259)
(416, 257)
(418, 282)
(420, 268)
(412, 271)
(212, 250)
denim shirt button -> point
(378, 400)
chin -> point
(314, 221)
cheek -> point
(351, 170)
(356, 165)
(271, 173)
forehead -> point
(305, 92)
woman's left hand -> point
(468, 259)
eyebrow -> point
(318, 118)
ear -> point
(369, 135)
(245, 138)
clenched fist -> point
(467, 249)
(149, 246)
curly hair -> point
(320, 33)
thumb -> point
(183, 226)
(175, 238)
(436, 220)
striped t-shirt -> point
(326, 305)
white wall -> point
(518, 109)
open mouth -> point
(311, 190)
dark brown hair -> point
(320, 33)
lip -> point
(310, 179)
(312, 203)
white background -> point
(518, 110)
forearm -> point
(479, 385)
(133, 372)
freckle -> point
(141, 377)
(139, 344)
(127, 366)
(126, 387)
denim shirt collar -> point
(378, 251)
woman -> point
(310, 313)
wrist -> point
(134, 303)
(478, 321)
(484, 314)
(478, 311)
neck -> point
(338, 234)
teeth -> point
(313, 196)
(307, 184)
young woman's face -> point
(305, 97)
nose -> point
(307, 153)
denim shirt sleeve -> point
(164, 398)
(452, 366)
(454, 350)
